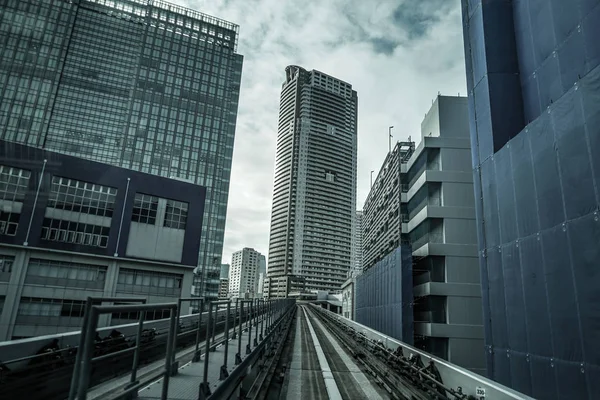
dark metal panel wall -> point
(537, 192)
(384, 296)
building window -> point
(14, 184)
(176, 214)
(40, 307)
(68, 274)
(56, 230)
(84, 197)
(6, 264)
(329, 176)
(145, 209)
(149, 282)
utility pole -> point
(390, 138)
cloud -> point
(397, 55)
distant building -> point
(72, 228)
(224, 289)
(438, 213)
(314, 195)
(244, 272)
(224, 271)
(381, 219)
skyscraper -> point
(533, 76)
(314, 195)
(145, 85)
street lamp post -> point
(390, 138)
(372, 179)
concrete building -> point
(533, 78)
(382, 219)
(72, 228)
(357, 231)
(224, 289)
(244, 272)
(314, 195)
(224, 282)
(144, 84)
(438, 207)
(348, 301)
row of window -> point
(140, 279)
(72, 195)
(74, 232)
(66, 270)
(83, 197)
(40, 307)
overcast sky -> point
(397, 54)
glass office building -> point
(533, 75)
(141, 84)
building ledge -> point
(440, 212)
(447, 289)
(446, 249)
(449, 330)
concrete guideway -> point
(321, 368)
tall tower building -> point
(144, 84)
(314, 195)
(246, 265)
(533, 76)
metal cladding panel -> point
(539, 218)
(541, 225)
(384, 296)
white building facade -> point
(246, 265)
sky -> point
(397, 54)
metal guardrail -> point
(255, 314)
(83, 369)
(82, 338)
(459, 381)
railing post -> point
(248, 348)
(78, 357)
(214, 327)
(238, 355)
(168, 364)
(204, 387)
(136, 356)
(86, 367)
(270, 315)
(256, 322)
(235, 316)
(224, 373)
(262, 320)
(197, 351)
(175, 368)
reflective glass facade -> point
(533, 75)
(140, 84)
